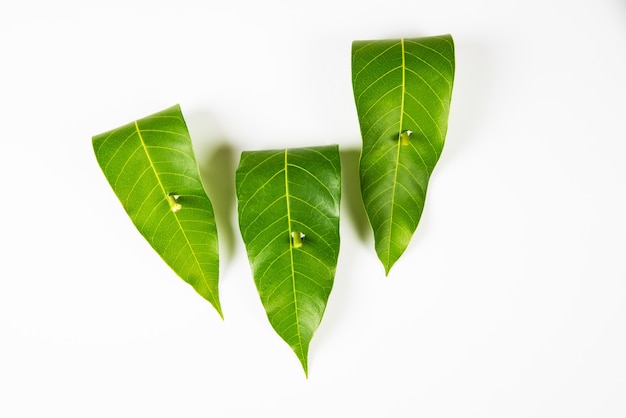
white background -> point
(509, 302)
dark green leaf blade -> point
(151, 166)
(288, 204)
(402, 89)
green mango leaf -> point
(288, 204)
(150, 165)
(402, 89)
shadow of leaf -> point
(217, 171)
(351, 191)
(216, 161)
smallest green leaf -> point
(151, 166)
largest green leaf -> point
(288, 204)
(402, 90)
(150, 164)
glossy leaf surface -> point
(150, 165)
(288, 204)
(402, 89)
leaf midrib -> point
(180, 227)
(395, 174)
(293, 273)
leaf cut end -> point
(297, 239)
(404, 137)
(172, 199)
